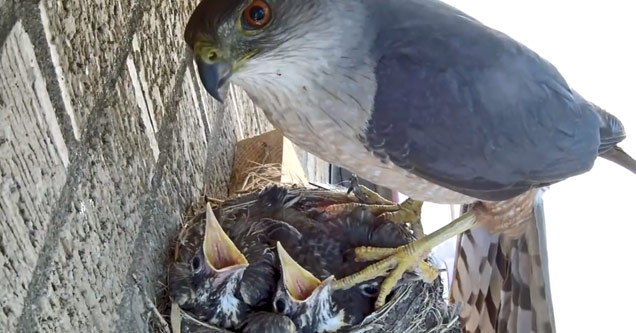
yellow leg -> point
(365, 195)
(370, 253)
(407, 212)
(337, 209)
(374, 198)
(408, 257)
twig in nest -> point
(259, 175)
(151, 305)
(187, 223)
(180, 319)
(214, 201)
(175, 317)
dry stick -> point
(150, 304)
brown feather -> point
(501, 280)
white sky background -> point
(590, 223)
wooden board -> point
(269, 157)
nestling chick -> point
(325, 252)
(231, 273)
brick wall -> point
(105, 137)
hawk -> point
(414, 95)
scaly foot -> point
(365, 194)
(409, 257)
(348, 208)
(407, 212)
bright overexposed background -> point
(590, 222)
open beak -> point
(299, 283)
(214, 75)
(220, 253)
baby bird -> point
(325, 252)
(231, 273)
(234, 280)
(268, 322)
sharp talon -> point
(365, 194)
(427, 272)
(390, 281)
(353, 184)
(375, 198)
(410, 258)
(354, 187)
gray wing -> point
(468, 108)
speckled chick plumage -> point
(226, 299)
(320, 241)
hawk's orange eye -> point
(256, 15)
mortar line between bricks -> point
(213, 138)
(165, 132)
(150, 203)
(9, 18)
(29, 13)
(38, 285)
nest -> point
(414, 307)
(257, 176)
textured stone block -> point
(33, 157)
(85, 234)
(102, 219)
(158, 46)
(178, 179)
(86, 36)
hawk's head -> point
(272, 47)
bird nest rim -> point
(428, 310)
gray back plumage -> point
(469, 108)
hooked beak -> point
(221, 255)
(299, 283)
(214, 75)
